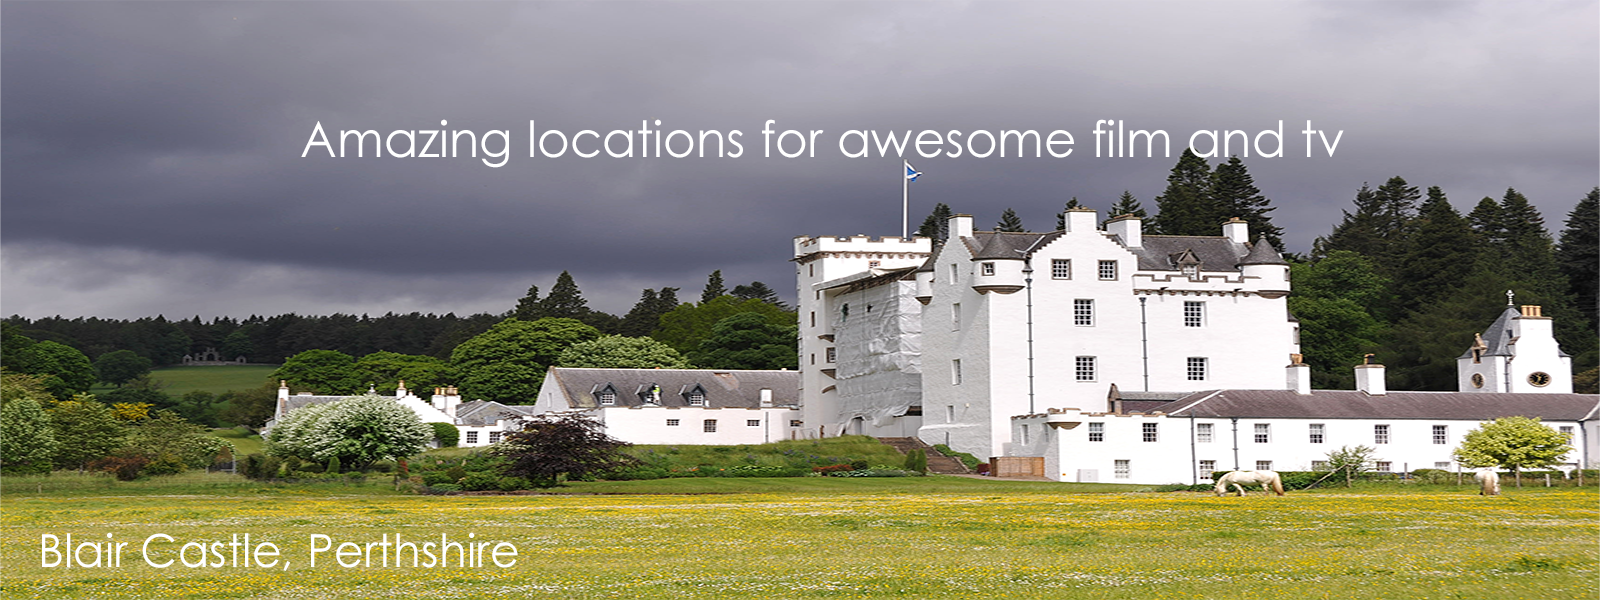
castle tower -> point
(1517, 354)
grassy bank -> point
(859, 541)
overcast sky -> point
(152, 152)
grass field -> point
(182, 380)
(936, 537)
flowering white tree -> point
(358, 430)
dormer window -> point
(650, 394)
(606, 395)
(694, 395)
(1191, 271)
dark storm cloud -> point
(157, 135)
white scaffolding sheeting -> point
(879, 352)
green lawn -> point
(182, 380)
(935, 537)
(244, 442)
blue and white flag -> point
(911, 174)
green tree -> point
(14, 386)
(683, 327)
(385, 370)
(85, 430)
(201, 408)
(321, 371)
(1331, 300)
(1009, 221)
(642, 318)
(1351, 462)
(758, 291)
(1422, 348)
(1514, 443)
(238, 344)
(565, 300)
(714, 288)
(1128, 205)
(356, 431)
(27, 440)
(749, 341)
(507, 363)
(1234, 193)
(620, 352)
(447, 435)
(1359, 232)
(65, 370)
(167, 436)
(1186, 207)
(1380, 226)
(121, 366)
(1576, 255)
(1440, 254)
(138, 395)
(570, 446)
(529, 308)
(937, 224)
(1061, 217)
(251, 407)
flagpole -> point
(905, 198)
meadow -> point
(933, 537)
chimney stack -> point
(1298, 375)
(1369, 377)
(1128, 228)
(1236, 230)
(960, 226)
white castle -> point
(1002, 344)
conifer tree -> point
(1440, 253)
(564, 301)
(1127, 205)
(1009, 221)
(1235, 194)
(1576, 255)
(1061, 217)
(714, 287)
(1485, 221)
(1186, 207)
(1379, 226)
(937, 225)
(667, 299)
(528, 308)
(758, 291)
(642, 318)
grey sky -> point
(151, 152)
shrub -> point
(858, 465)
(333, 465)
(269, 467)
(126, 467)
(512, 484)
(435, 478)
(479, 481)
(291, 465)
(969, 460)
(446, 434)
(917, 461)
(444, 488)
(831, 469)
(456, 473)
(384, 466)
(166, 464)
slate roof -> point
(298, 402)
(723, 388)
(992, 245)
(1348, 404)
(1262, 253)
(1216, 253)
(482, 413)
(1498, 336)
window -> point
(1384, 466)
(1203, 433)
(1108, 270)
(1097, 432)
(1024, 434)
(1197, 368)
(711, 426)
(697, 399)
(1443, 466)
(872, 264)
(1566, 430)
(1319, 465)
(1083, 312)
(1441, 434)
(472, 437)
(949, 413)
(1122, 469)
(1194, 314)
(1149, 431)
(953, 274)
(672, 422)
(1061, 268)
(608, 398)
(832, 355)
(494, 437)
(813, 318)
(1207, 467)
(1263, 433)
(1380, 434)
(753, 423)
(955, 372)
(955, 316)
(1263, 465)
(796, 423)
(988, 268)
(1083, 368)
(1190, 271)
(1316, 433)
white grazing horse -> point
(1268, 480)
(1488, 482)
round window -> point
(1477, 380)
(1539, 379)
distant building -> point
(480, 422)
(678, 406)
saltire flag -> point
(911, 173)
